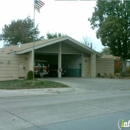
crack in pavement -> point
(20, 118)
(109, 108)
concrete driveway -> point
(94, 104)
(95, 84)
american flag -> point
(38, 5)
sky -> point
(64, 16)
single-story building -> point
(78, 59)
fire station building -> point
(77, 59)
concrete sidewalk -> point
(31, 92)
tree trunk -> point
(123, 61)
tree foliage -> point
(106, 51)
(19, 31)
(112, 20)
(117, 65)
(54, 35)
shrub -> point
(117, 75)
(128, 70)
(98, 75)
(111, 75)
(30, 75)
(105, 75)
(102, 75)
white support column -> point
(31, 56)
(59, 61)
(93, 65)
(82, 65)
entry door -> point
(22, 70)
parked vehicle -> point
(53, 71)
(38, 65)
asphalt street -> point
(90, 104)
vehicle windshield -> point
(41, 64)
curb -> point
(33, 92)
(60, 90)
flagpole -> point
(34, 43)
(37, 5)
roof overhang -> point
(65, 39)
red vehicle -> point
(38, 65)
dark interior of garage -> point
(71, 64)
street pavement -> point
(89, 104)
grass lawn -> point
(28, 84)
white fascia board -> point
(85, 47)
(14, 52)
(40, 46)
(56, 41)
(57, 53)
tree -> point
(54, 35)
(19, 31)
(112, 20)
(1, 37)
(106, 51)
(87, 42)
(117, 65)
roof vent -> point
(20, 44)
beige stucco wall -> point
(105, 65)
(93, 65)
(9, 66)
(86, 67)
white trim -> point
(45, 52)
(93, 65)
(60, 61)
(40, 46)
(84, 46)
(56, 41)
(82, 65)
